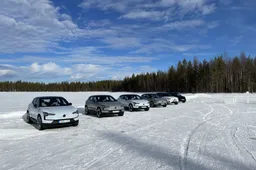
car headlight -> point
(135, 103)
(48, 114)
(76, 112)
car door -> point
(34, 108)
(123, 101)
(89, 103)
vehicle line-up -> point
(47, 111)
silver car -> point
(52, 111)
(134, 101)
(103, 104)
(154, 100)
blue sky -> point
(89, 40)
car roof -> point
(129, 95)
(148, 93)
(100, 95)
(40, 97)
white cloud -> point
(77, 72)
(32, 26)
(142, 14)
(183, 24)
(122, 42)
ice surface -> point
(210, 131)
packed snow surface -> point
(209, 131)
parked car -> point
(179, 96)
(170, 99)
(52, 111)
(154, 99)
(103, 104)
(134, 101)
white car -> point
(134, 101)
(170, 99)
(52, 111)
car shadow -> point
(24, 117)
(162, 154)
(102, 116)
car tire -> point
(28, 117)
(165, 105)
(39, 123)
(183, 101)
(152, 104)
(147, 109)
(176, 103)
(130, 108)
(86, 110)
(121, 114)
(98, 113)
(76, 123)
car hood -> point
(139, 101)
(58, 109)
(115, 104)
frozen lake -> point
(210, 131)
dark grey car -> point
(103, 104)
(154, 99)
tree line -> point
(220, 74)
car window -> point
(34, 101)
(105, 99)
(52, 101)
(133, 97)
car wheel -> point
(183, 101)
(121, 114)
(165, 105)
(39, 123)
(28, 117)
(76, 123)
(130, 107)
(176, 103)
(86, 110)
(147, 109)
(99, 113)
(152, 104)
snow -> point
(209, 131)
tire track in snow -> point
(248, 156)
(186, 141)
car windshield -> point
(153, 95)
(175, 94)
(53, 101)
(163, 94)
(105, 99)
(133, 97)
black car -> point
(179, 96)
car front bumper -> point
(108, 111)
(172, 102)
(49, 121)
(141, 106)
(56, 123)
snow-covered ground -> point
(210, 131)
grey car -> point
(134, 101)
(103, 104)
(154, 99)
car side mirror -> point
(35, 105)
(70, 104)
